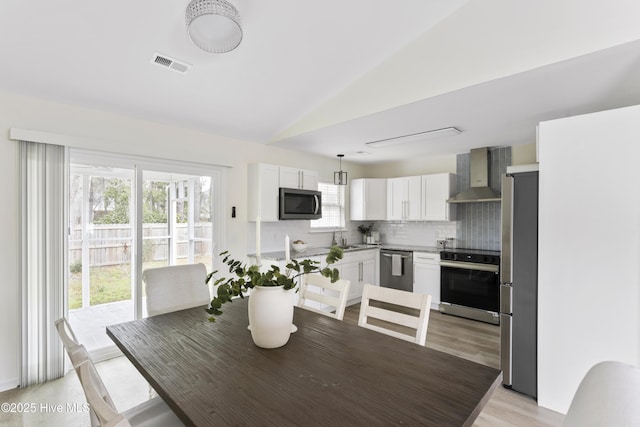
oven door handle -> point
(470, 266)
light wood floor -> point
(465, 338)
(480, 342)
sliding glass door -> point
(101, 236)
(127, 215)
(177, 223)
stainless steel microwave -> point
(300, 204)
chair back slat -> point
(395, 308)
(102, 408)
(315, 288)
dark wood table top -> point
(330, 373)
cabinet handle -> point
(360, 272)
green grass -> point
(109, 283)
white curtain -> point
(43, 174)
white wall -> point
(413, 166)
(589, 273)
(8, 261)
(110, 132)
(524, 154)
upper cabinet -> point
(410, 198)
(368, 199)
(298, 178)
(436, 190)
(264, 182)
(404, 196)
(263, 186)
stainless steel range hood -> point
(479, 177)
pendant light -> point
(340, 177)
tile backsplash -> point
(478, 225)
(273, 235)
(418, 233)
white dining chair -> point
(609, 395)
(174, 288)
(395, 308)
(318, 290)
(153, 412)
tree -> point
(110, 200)
(154, 202)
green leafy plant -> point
(245, 277)
(365, 229)
(76, 267)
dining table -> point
(330, 373)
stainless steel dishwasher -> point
(396, 269)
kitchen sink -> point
(349, 247)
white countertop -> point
(323, 250)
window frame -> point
(340, 190)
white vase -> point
(270, 315)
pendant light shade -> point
(340, 177)
(213, 25)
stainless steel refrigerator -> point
(519, 282)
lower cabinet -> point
(426, 276)
(359, 267)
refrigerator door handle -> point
(506, 258)
(505, 348)
(506, 299)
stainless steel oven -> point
(470, 284)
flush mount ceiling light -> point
(340, 177)
(414, 137)
(213, 25)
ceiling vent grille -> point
(170, 63)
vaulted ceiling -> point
(327, 77)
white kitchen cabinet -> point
(315, 304)
(352, 271)
(426, 276)
(370, 272)
(359, 267)
(262, 195)
(298, 178)
(436, 190)
(368, 199)
(404, 198)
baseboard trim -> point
(106, 353)
(9, 385)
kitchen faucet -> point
(343, 241)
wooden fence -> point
(110, 244)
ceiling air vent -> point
(169, 62)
